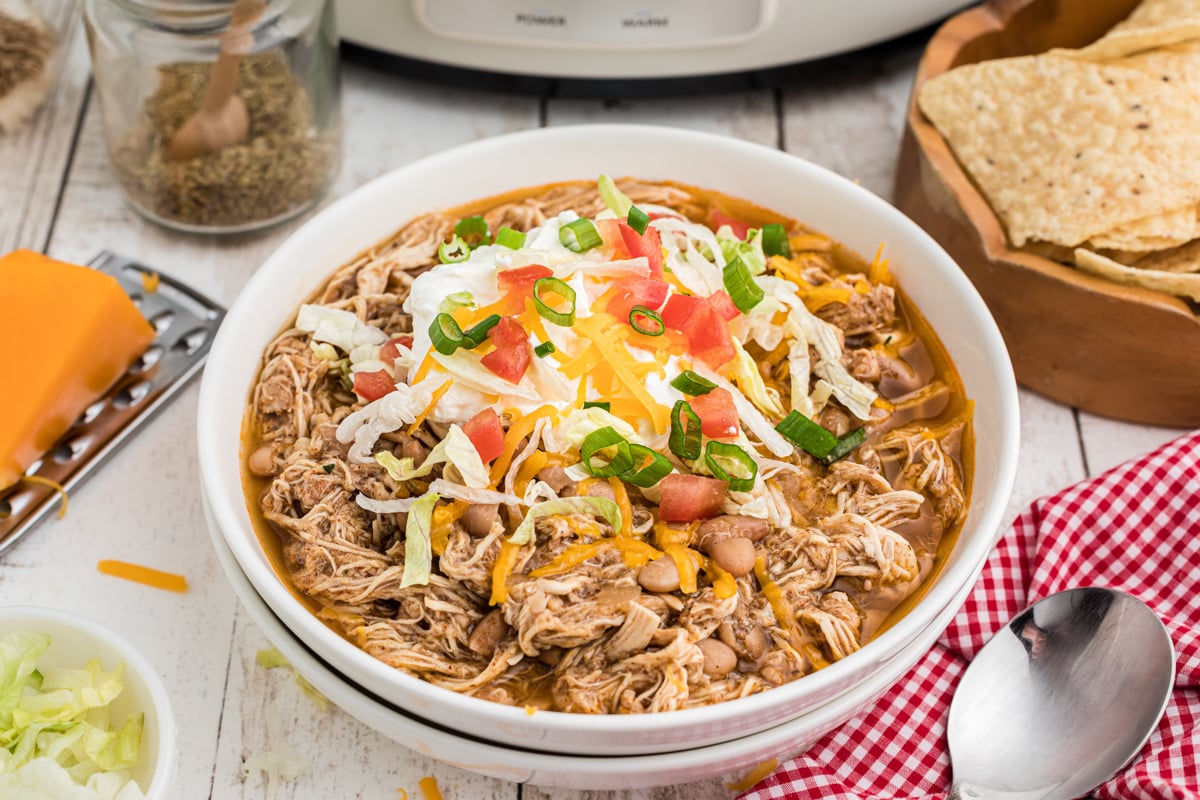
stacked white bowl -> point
(587, 750)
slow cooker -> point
(589, 47)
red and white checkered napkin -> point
(1136, 528)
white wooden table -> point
(58, 195)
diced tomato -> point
(678, 309)
(517, 284)
(648, 245)
(511, 357)
(690, 497)
(718, 415)
(390, 352)
(614, 240)
(485, 433)
(371, 386)
(708, 337)
(632, 292)
(738, 227)
(723, 303)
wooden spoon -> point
(222, 119)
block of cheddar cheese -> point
(66, 334)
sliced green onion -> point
(614, 198)
(457, 300)
(599, 440)
(684, 440)
(804, 433)
(473, 230)
(740, 284)
(507, 237)
(649, 467)
(544, 349)
(846, 445)
(454, 251)
(647, 321)
(479, 331)
(602, 405)
(775, 241)
(692, 384)
(638, 219)
(541, 286)
(731, 463)
(579, 236)
(328, 468)
(446, 335)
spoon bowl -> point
(1061, 698)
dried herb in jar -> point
(284, 163)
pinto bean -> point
(730, 526)
(660, 575)
(735, 556)
(479, 518)
(719, 658)
(488, 633)
(598, 488)
(556, 478)
(262, 461)
(412, 449)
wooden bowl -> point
(1115, 350)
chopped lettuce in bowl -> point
(82, 715)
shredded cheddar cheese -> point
(444, 518)
(521, 427)
(429, 788)
(506, 559)
(755, 775)
(433, 401)
(55, 485)
(150, 281)
(147, 575)
(622, 497)
(879, 272)
(634, 552)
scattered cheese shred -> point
(506, 559)
(604, 330)
(879, 273)
(622, 496)
(755, 775)
(433, 401)
(150, 281)
(444, 518)
(429, 788)
(401, 793)
(530, 710)
(634, 552)
(521, 427)
(821, 296)
(147, 575)
(55, 485)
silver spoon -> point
(1061, 698)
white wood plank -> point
(33, 158)
(850, 119)
(1109, 442)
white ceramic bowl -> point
(74, 640)
(768, 177)
(733, 758)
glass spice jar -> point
(219, 116)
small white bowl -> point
(75, 640)
(773, 179)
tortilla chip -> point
(1156, 13)
(1158, 232)
(1065, 149)
(1119, 42)
(1179, 284)
(1180, 259)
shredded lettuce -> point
(456, 300)
(388, 413)
(580, 423)
(616, 200)
(749, 251)
(271, 658)
(418, 553)
(803, 325)
(598, 506)
(60, 717)
(340, 328)
(456, 448)
(744, 372)
(465, 367)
